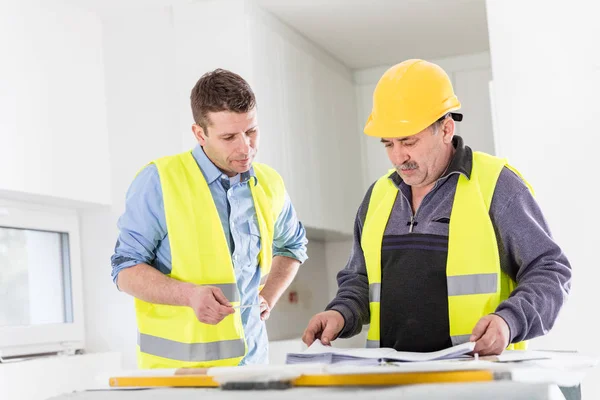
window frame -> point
(67, 337)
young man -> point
(202, 233)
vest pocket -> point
(439, 226)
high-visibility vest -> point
(172, 336)
(476, 283)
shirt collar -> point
(212, 173)
(462, 162)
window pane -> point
(34, 271)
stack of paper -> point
(319, 353)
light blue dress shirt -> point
(144, 238)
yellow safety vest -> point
(172, 336)
(476, 283)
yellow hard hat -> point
(409, 97)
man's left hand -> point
(265, 309)
(491, 335)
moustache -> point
(406, 166)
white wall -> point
(546, 83)
(307, 118)
(470, 75)
(207, 35)
(52, 104)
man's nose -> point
(398, 155)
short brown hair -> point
(220, 90)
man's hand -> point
(325, 326)
(265, 309)
(209, 304)
(491, 335)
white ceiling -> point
(367, 33)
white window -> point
(41, 309)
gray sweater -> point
(528, 254)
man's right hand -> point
(209, 304)
(325, 326)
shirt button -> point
(232, 225)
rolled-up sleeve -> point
(290, 236)
(142, 226)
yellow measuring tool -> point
(393, 378)
(371, 379)
(163, 381)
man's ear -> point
(199, 134)
(448, 128)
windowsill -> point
(46, 377)
(47, 200)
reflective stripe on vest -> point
(191, 352)
(230, 291)
(472, 284)
(172, 336)
(475, 281)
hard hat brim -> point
(406, 128)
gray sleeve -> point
(531, 257)
(352, 299)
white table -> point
(499, 390)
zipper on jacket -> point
(412, 223)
